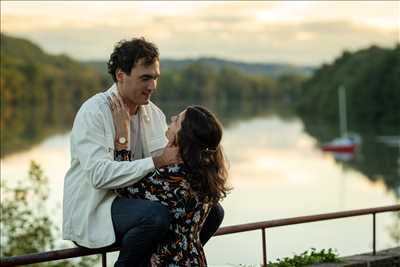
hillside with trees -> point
(40, 93)
(273, 69)
(201, 83)
(210, 79)
(371, 78)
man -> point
(93, 215)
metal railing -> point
(79, 252)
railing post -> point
(374, 233)
(104, 259)
(264, 248)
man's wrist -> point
(119, 147)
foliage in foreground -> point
(25, 224)
(394, 230)
(308, 257)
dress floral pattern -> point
(168, 185)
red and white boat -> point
(342, 145)
(346, 145)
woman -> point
(188, 189)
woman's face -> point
(174, 127)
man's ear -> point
(119, 74)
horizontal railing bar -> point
(78, 252)
(303, 219)
(54, 255)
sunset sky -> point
(306, 32)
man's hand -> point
(170, 155)
(121, 117)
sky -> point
(296, 32)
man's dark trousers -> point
(140, 225)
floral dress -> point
(168, 185)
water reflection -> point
(234, 112)
(24, 126)
(377, 160)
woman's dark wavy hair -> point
(127, 53)
(199, 143)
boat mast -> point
(342, 111)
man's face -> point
(137, 87)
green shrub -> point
(308, 257)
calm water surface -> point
(276, 171)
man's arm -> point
(169, 155)
(91, 149)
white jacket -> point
(93, 172)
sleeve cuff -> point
(122, 155)
(151, 163)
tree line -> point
(40, 93)
(371, 78)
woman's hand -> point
(121, 118)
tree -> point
(25, 224)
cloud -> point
(284, 31)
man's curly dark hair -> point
(127, 53)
